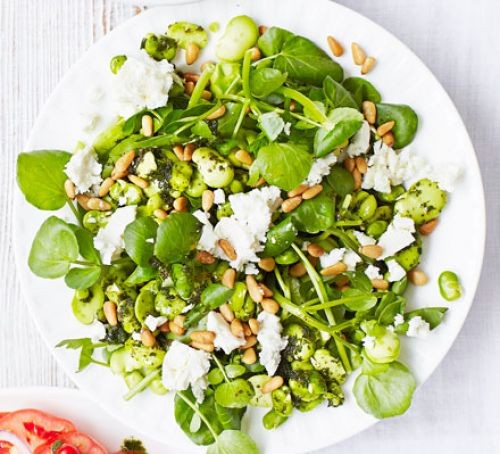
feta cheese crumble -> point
(373, 272)
(84, 170)
(136, 336)
(320, 168)
(109, 239)
(219, 197)
(363, 238)
(368, 341)
(142, 82)
(399, 319)
(396, 271)
(399, 234)
(360, 143)
(418, 327)
(271, 342)
(154, 322)
(184, 366)
(224, 339)
(348, 256)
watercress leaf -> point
(340, 180)
(305, 62)
(230, 418)
(271, 124)
(314, 215)
(386, 393)
(432, 315)
(139, 239)
(142, 274)
(390, 305)
(225, 76)
(362, 90)
(406, 122)
(359, 281)
(212, 297)
(86, 347)
(232, 441)
(82, 278)
(264, 81)
(279, 238)
(41, 177)
(177, 236)
(86, 244)
(342, 124)
(357, 300)
(337, 95)
(201, 129)
(109, 138)
(285, 165)
(272, 41)
(227, 123)
(235, 394)
(53, 250)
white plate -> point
(402, 78)
(72, 404)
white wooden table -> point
(457, 410)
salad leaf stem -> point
(143, 384)
(221, 367)
(337, 302)
(241, 117)
(305, 101)
(74, 209)
(200, 85)
(195, 408)
(191, 123)
(285, 288)
(245, 72)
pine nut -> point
(270, 305)
(188, 151)
(122, 165)
(268, 264)
(417, 277)
(244, 156)
(179, 320)
(274, 383)
(203, 336)
(266, 291)
(106, 186)
(138, 181)
(256, 54)
(298, 190)
(334, 270)
(205, 257)
(147, 338)
(237, 328)
(246, 330)
(191, 77)
(374, 251)
(227, 312)
(388, 139)
(315, 250)
(82, 200)
(349, 164)
(207, 199)
(254, 325)
(254, 289)
(262, 29)
(228, 278)
(361, 165)
(228, 249)
(94, 203)
(69, 187)
(298, 270)
(313, 260)
(176, 329)
(205, 64)
(368, 65)
(218, 113)
(383, 129)
(164, 328)
(160, 214)
(109, 309)
(207, 95)
(380, 284)
(249, 356)
(179, 151)
(147, 126)
(370, 112)
(291, 203)
(206, 347)
(428, 227)
(358, 54)
(188, 88)
(180, 204)
(293, 105)
(342, 281)
(335, 46)
(312, 192)
(250, 342)
(192, 53)
(356, 174)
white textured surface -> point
(457, 409)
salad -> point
(243, 235)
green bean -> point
(287, 257)
(376, 228)
(116, 63)
(449, 286)
(395, 193)
(399, 287)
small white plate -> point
(401, 77)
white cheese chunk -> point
(396, 271)
(351, 259)
(368, 341)
(360, 143)
(219, 197)
(320, 168)
(154, 322)
(418, 327)
(224, 339)
(332, 257)
(399, 319)
(373, 272)
(270, 340)
(84, 170)
(399, 234)
(364, 239)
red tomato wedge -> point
(3, 414)
(84, 444)
(34, 427)
(5, 447)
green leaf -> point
(177, 236)
(406, 122)
(41, 177)
(212, 297)
(390, 305)
(342, 124)
(82, 278)
(235, 394)
(227, 123)
(139, 239)
(86, 244)
(142, 274)
(53, 250)
(386, 393)
(337, 95)
(314, 215)
(225, 75)
(285, 165)
(86, 347)
(432, 315)
(340, 180)
(271, 124)
(362, 90)
(280, 237)
(233, 441)
(356, 300)
(230, 418)
(359, 280)
(264, 81)
(272, 41)
(201, 129)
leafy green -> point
(314, 215)
(271, 124)
(233, 441)
(86, 244)
(235, 394)
(41, 177)
(285, 165)
(357, 300)
(177, 236)
(361, 90)
(264, 81)
(54, 249)
(432, 315)
(279, 238)
(141, 274)
(406, 122)
(139, 239)
(340, 180)
(86, 347)
(272, 41)
(82, 278)
(212, 297)
(225, 76)
(109, 138)
(390, 305)
(337, 95)
(230, 418)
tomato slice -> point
(84, 444)
(35, 427)
(5, 447)
(3, 414)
